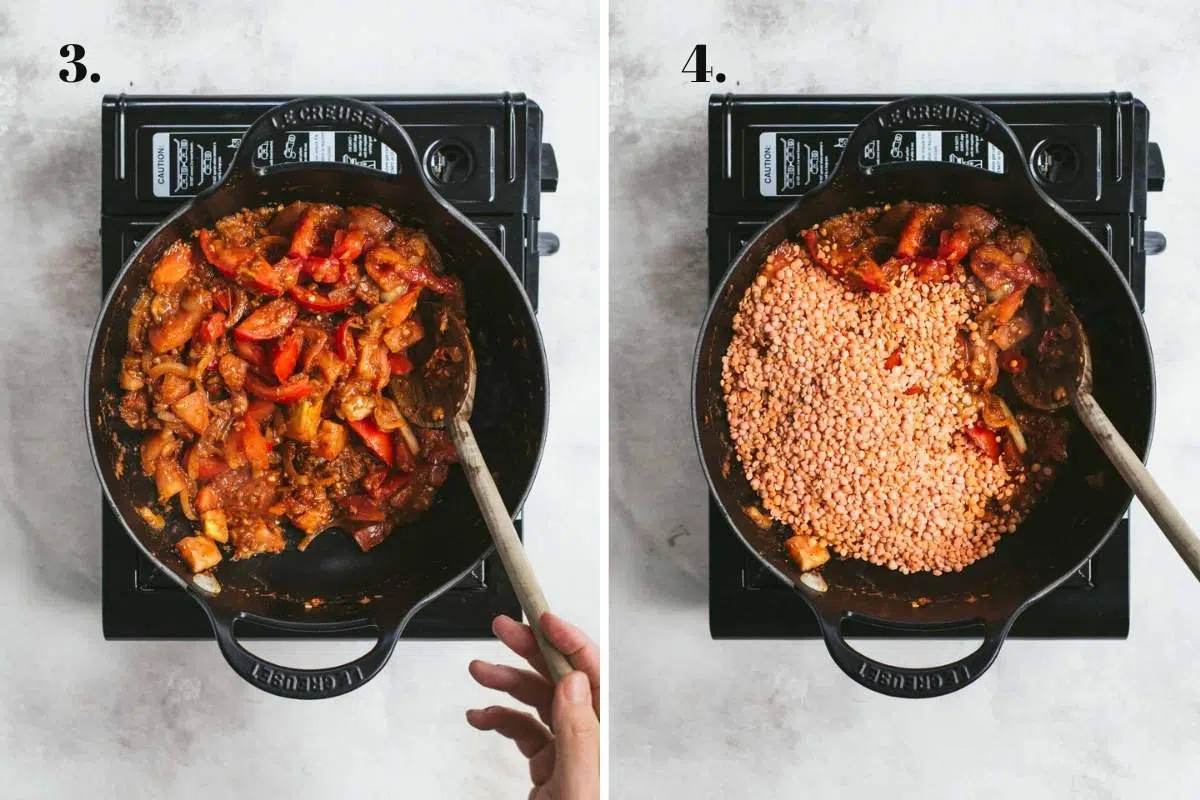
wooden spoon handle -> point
(1161, 509)
(508, 545)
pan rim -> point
(818, 604)
(314, 168)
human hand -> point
(564, 759)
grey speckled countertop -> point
(700, 719)
(83, 717)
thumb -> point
(576, 738)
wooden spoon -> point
(440, 393)
(1061, 375)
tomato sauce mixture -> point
(258, 357)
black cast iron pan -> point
(1068, 525)
(380, 590)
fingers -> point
(519, 639)
(576, 738)
(570, 640)
(541, 766)
(520, 684)
(578, 648)
(529, 734)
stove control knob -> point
(549, 169)
(1156, 174)
(547, 244)
(449, 163)
(1055, 162)
(1153, 242)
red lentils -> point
(834, 437)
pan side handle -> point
(869, 145)
(322, 113)
(302, 684)
(912, 682)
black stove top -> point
(1092, 154)
(483, 153)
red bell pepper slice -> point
(382, 483)
(405, 460)
(893, 360)
(222, 256)
(212, 328)
(287, 355)
(273, 279)
(209, 467)
(348, 245)
(251, 353)
(304, 238)
(931, 270)
(371, 536)
(311, 300)
(985, 440)
(389, 268)
(953, 245)
(323, 269)
(376, 440)
(912, 237)
(263, 278)
(269, 321)
(254, 444)
(295, 389)
(361, 508)
(260, 410)
(343, 342)
(399, 363)
(811, 239)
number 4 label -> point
(697, 64)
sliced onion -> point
(161, 306)
(207, 356)
(239, 305)
(185, 502)
(205, 582)
(387, 415)
(389, 296)
(356, 407)
(997, 416)
(170, 368)
(1014, 430)
(139, 317)
(196, 301)
(410, 438)
(814, 581)
(154, 520)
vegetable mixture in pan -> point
(867, 387)
(257, 362)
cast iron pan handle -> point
(302, 684)
(912, 682)
(323, 113)
(931, 112)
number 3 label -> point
(74, 55)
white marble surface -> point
(697, 718)
(83, 717)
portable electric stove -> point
(483, 153)
(1091, 153)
